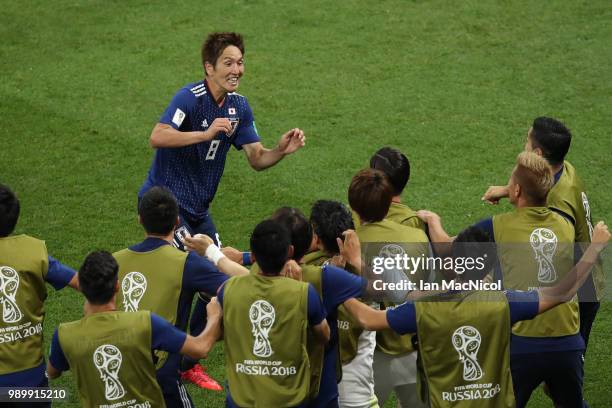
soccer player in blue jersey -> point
(25, 267)
(193, 136)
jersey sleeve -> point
(56, 356)
(339, 285)
(180, 107)
(316, 310)
(402, 319)
(246, 132)
(524, 305)
(58, 275)
(201, 275)
(486, 225)
(165, 336)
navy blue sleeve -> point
(201, 275)
(59, 275)
(523, 305)
(176, 113)
(487, 225)
(165, 336)
(56, 356)
(316, 311)
(246, 132)
(402, 319)
(220, 296)
(339, 285)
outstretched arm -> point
(260, 158)
(166, 136)
(567, 288)
(494, 194)
(199, 347)
(203, 245)
(368, 318)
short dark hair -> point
(395, 165)
(299, 229)
(370, 195)
(329, 220)
(158, 211)
(270, 243)
(474, 242)
(553, 137)
(98, 277)
(9, 210)
(215, 43)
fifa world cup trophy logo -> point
(466, 340)
(544, 244)
(9, 283)
(133, 286)
(262, 317)
(107, 359)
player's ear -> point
(208, 68)
(538, 151)
(253, 260)
(290, 252)
(177, 222)
(117, 286)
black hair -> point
(9, 211)
(158, 211)
(474, 242)
(329, 220)
(270, 243)
(395, 165)
(299, 228)
(553, 137)
(98, 277)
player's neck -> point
(167, 238)
(556, 168)
(90, 309)
(396, 199)
(216, 92)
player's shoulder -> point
(192, 91)
(236, 95)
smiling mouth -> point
(233, 81)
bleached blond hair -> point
(534, 175)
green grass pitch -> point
(454, 85)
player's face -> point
(228, 69)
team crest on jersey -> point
(466, 340)
(544, 244)
(107, 359)
(9, 283)
(234, 124)
(179, 236)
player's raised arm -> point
(368, 318)
(203, 245)
(199, 347)
(494, 194)
(568, 287)
(260, 158)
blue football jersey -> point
(193, 172)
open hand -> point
(291, 141)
